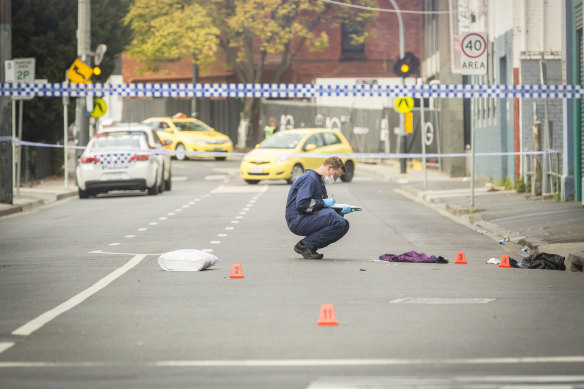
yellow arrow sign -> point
(99, 108)
(79, 73)
(404, 104)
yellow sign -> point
(409, 122)
(79, 73)
(99, 108)
(404, 104)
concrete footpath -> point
(517, 219)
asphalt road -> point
(84, 302)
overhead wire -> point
(384, 9)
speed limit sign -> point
(473, 59)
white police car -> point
(118, 162)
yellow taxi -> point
(189, 134)
(287, 154)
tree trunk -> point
(245, 117)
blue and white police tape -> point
(358, 156)
(292, 90)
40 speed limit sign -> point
(473, 59)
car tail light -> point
(140, 157)
(89, 160)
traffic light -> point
(406, 66)
(97, 71)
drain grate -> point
(443, 300)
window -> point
(315, 139)
(349, 50)
(330, 138)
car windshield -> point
(282, 141)
(191, 126)
(115, 142)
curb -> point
(32, 204)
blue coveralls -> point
(307, 216)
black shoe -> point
(306, 252)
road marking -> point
(215, 242)
(215, 177)
(162, 218)
(186, 206)
(114, 244)
(207, 250)
(129, 236)
(239, 217)
(246, 209)
(318, 362)
(152, 223)
(239, 189)
(178, 210)
(229, 228)
(171, 214)
(191, 203)
(178, 178)
(5, 346)
(243, 213)
(222, 235)
(46, 317)
(234, 221)
(142, 229)
(447, 300)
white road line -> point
(207, 250)
(5, 346)
(229, 228)
(171, 214)
(152, 223)
(178, 178)
(215, 242)
(222, 235)
(246, 209)
(129, 236)
(115, 244)
(239, 217)
(243, 213)
(323, 362)
(178, 210)
(46, 317)
(186, 206)
(234, 221)
(142, 229)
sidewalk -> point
(48, 191)
(540, 225)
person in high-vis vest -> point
(271, 128)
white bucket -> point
(186, 260)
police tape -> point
(357, 156)
(292, 90)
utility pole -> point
(83, 53)
(6, 194)
(402, 136)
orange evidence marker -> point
(460, 258)
(505, 261)
(327, 316)
(236, 271)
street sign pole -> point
(65, 134)
(423, 135)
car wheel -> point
(83, 194)
(153, 190)
(180, 152)
(297, 171)
(349, 172)
(168, 183)
(252, 182)
(220, 158)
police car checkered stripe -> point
(293, 90)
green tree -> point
(46, 31)
(245, 30)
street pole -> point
(423, 135)
(6, 148)
(83, 52)
(402, 137)
(65, 135)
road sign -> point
(473, 58)
(79, 73)
(99, 108)
(20, 70)
(404, 104)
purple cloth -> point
(412, 256)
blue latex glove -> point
(346, 209)
(329, 202)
